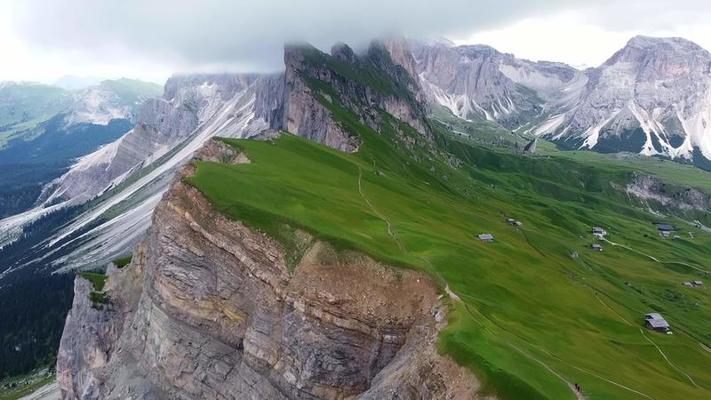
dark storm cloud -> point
(250, 34)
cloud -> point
(247, 34)
(649, 15)
(152, 38)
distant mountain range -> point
(43, 129)
(651, 97)
(73, 82)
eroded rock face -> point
(87, 340)
(646, 187)
(208, 309)
(479, 82)
(306, 116)
(218, 151)
(192, 109)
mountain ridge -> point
(650, 97)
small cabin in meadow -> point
(596, 247)
(513, 222)
(486, 237)
(665, 228)
(596, 230)
(656, 322)
(693, 284)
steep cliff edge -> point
(365, 84)
(209, 309)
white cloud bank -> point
(152, 38)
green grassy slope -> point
(133, 90)
(532, 311)
(24, 105)
(479, 131)
(21, 386)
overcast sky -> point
(42, 40)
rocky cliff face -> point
(238, 105)
(650, 188)
(652, 97)
(209, 309)
(303, 113)
(480, 82)
(364, 84)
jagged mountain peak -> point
(295, 51)
(478, 49)
(343, 52)
(652, 96)
(478, 81)
(436, 41)
(400, 53)
(657, 52)
(675, 43)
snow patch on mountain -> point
(592, 135)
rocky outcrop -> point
(219, 151)
(409, 104)
(208, 308)
(364, 84)
(478, 82)
(303, 114)
(651, 188)
(88, 339)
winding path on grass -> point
(578, 395)
(455, 297)
(452, 295)
(668, 361)
(655, 259)
(375, 211)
